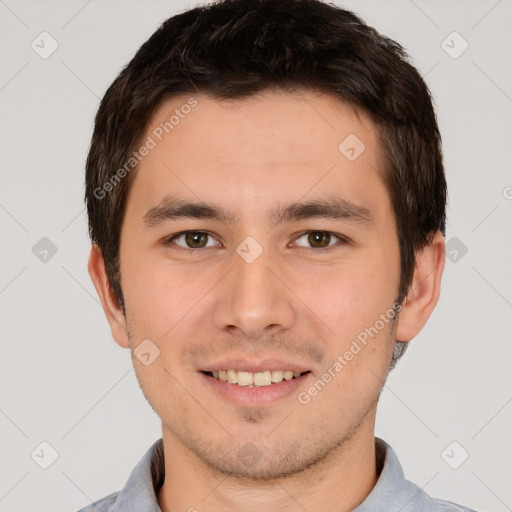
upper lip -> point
(254, 365)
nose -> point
(253, 301)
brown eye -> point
(319, 239)
(193, 240)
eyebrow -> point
(333, 207)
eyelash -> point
(343, 240)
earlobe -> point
(110, 303)
(424, 290)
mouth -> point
(256, 382)
(255, 379)
(258, 388)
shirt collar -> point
(140, 492)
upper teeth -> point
(257, 379)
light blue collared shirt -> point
(392, 493)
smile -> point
(257, 379)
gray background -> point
(63, 380)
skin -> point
(293, 302)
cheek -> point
(155, 295)
(167, 302)
(349, 296)
(357, 366)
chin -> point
(262, 458)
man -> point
(266, 200)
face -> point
(289, 258)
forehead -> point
(257, 150)
(278, 122)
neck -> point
(340, 482)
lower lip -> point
(257, 395)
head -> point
(309, 147)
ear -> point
(111, 307)
(424, 289)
